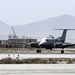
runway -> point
(37, 69)
(25, 55)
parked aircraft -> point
(51, 42)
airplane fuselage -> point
(50, 43)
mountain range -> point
(42, 28)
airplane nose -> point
(34, 44)
(41, 44)
(29, 44)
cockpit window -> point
(46, 39)
(51, 36)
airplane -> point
(50, 43)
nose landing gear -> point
(39, 50)
(62, 51)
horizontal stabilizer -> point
(64, 29)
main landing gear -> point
(62, 51)
(39, 50)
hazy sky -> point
(21, 12)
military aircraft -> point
(50, 43)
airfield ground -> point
(37, 69)
(33, 50)
(23, 52)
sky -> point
(21, 12)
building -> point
(16, 43)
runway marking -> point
(25, 56)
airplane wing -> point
(34, 44)
(67, 45)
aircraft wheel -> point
(62, 51)
(38, 51)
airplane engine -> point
(58, 44)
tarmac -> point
(35, 55)
(37, 69)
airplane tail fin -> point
(62, 38)
(63, 35)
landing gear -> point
(39, 50)
(62, 51)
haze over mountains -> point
(42, 28)
(45, 27)
(5, 30)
